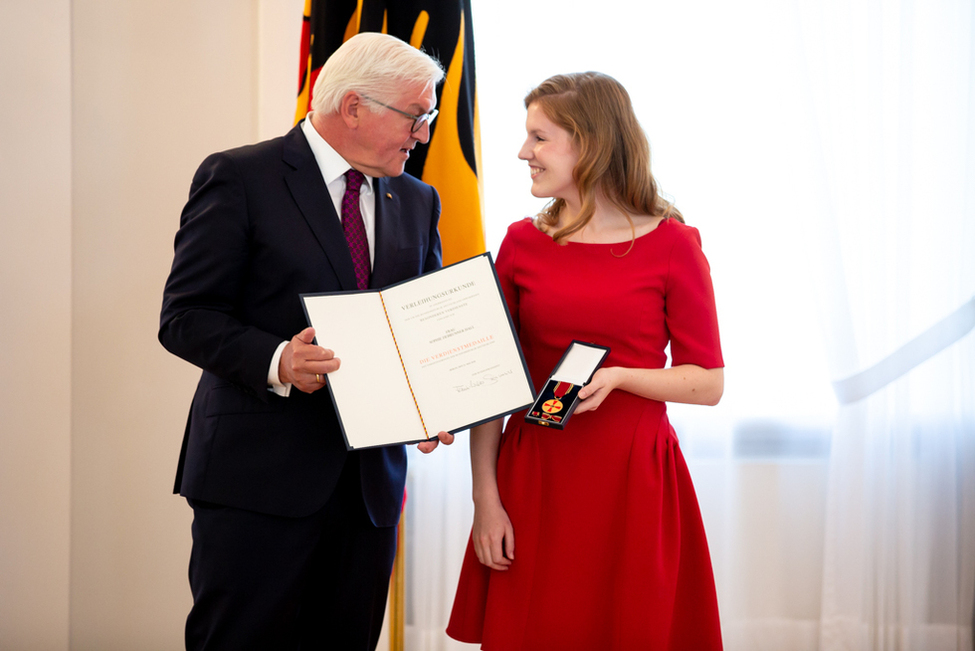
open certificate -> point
(434, 353)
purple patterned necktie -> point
(355, 230)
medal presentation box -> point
(560, 397)
(434, 353)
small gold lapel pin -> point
(389, 196)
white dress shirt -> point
(333, 168)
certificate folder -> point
(560, 396)
(434, 353)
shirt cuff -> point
(273, 381)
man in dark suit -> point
(293, 536)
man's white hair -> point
(372, 64)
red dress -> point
(610, 550)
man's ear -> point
(350, 108)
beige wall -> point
(35, 323)
(108, 107)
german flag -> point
(450, 161)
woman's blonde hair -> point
(614, 155)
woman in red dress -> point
(590, 538)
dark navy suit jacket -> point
(258, 230)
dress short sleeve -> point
(691, 316)
(505, 266)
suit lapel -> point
(310, 194)
(387, 234)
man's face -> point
(384, 139)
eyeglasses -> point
(418, 120)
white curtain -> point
(439, 512)
(892, 95)
(825, 151)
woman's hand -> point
(687, 383)
(593, 394)
(493, 536)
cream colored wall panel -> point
(35, 322)
(279, 38)
(158, 86)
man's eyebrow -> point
(418, 108)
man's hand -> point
(429, 446)
(304, 364)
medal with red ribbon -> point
(555, 405)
